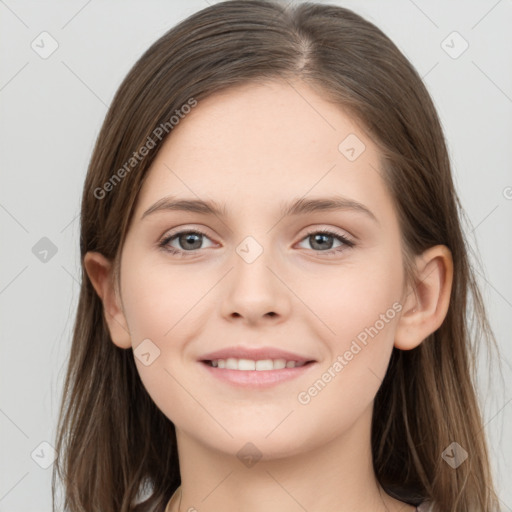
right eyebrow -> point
(188, 205)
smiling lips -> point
(232, 363)
(259, 367)
(246, 358)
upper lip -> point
(256, 354)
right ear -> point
(100, 272)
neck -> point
(335, 475)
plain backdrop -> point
(52, 107)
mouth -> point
(232, 363)
(255, 374)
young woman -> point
(275, 288)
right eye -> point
(184, 238)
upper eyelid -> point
(310, 230)
(171, 233)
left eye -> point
(318, 238)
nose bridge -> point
(253, 258)
(254, 289)
(250, 249)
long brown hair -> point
(116, 450)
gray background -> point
(51, 112)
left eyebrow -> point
(303, 206)
(300, 206)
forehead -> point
(258, 145)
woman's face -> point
(273, 159)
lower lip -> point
(257, 378)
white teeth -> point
(232, 363)
(265, 364)
(246, 364)
(281, 363)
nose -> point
(256, 291)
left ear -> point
(426, 304)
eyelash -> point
(347, 242)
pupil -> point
(318, 239)
(189, 238)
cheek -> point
(359, 310)
(362, 314)
(159, 307)
(355, 297)
(156, 301)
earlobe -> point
(100, 272)
(426, 305)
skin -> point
(252, 148)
